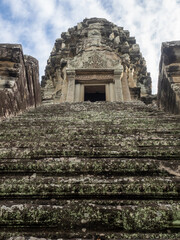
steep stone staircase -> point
(90, 171)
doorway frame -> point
(78, 78)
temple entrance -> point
(93, 85)
(94, 93)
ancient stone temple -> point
(95, 61)
(99, 163)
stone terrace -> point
(90, 171)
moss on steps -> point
(85, 170)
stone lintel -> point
(94, 70)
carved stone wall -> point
(169, 77)
(95, 44)
(19, 80)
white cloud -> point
(43, 10)
(151, 22)
(87, 9)
(69, 12)
(18, 8)
(8, 32)
(37, 23)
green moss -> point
(101, 151)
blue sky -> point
(37, 23)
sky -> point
(37, 23)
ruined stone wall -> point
(102, 37)
(169, 77)
(19, 80)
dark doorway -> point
(94, 93)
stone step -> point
(89, 186)
(62, 116)
(88, 138)
(83, 128)
(127, 142)
(93, 215)
(96, 117)
(94, 166)
(136, 107)
(135, 121)
(56, 234)
(90, 171)
(129, 151)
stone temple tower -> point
(95, 61)
(84, 170)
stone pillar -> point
(107, 90)
(112, 94)
(125, 87)
(71, 85)
(82, 93)
(77, 92)
(118, 85)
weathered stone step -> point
(92, 141)
(84, 186)
(129, 150)
(84, 106)
(93, 216)
(96, 118)
(96, 115)
(75, 140)
(134, 122)
(90, 129)
(81, 109)
(98, 202)
(68, 171)
(93, 166)
(56, 234)
(108, 128)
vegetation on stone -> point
(83, 170)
